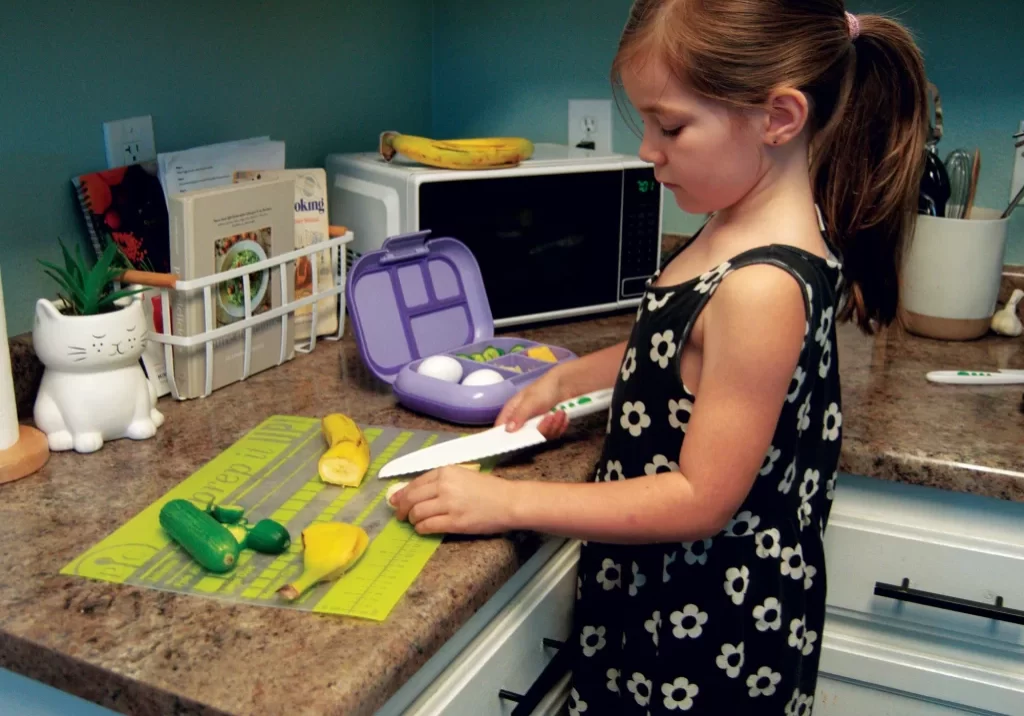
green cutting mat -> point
(272, 472)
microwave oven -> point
(569, 232)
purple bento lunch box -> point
(416, 297)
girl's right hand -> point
(536, 399)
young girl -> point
(701, 587)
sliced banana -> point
(391, 492)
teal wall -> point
(323, 76)
(510, 68)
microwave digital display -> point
(555, 242)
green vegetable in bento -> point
(268, 537)
(490, 353)
(517, 348)
(205, 539)
(478, 357)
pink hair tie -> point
(854, 24)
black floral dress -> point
(728, 625)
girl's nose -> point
(651, 154)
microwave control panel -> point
(641, 231)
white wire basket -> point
(279, 267)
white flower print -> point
(696, 552)
(736, 582)
(592, 640)
(660, 463)
(830, 487)
(635, 425)
(610, 575)
(809, 571)
(799, 376)
(640, 687)
(826, 360)
(833, 421)
(768, 615)
(810, 294)
(800, 637)
(629, 364)
(679, 413)
(663, 347)
(763, 682)
(803, 513)
(576, 705)
(809, 487)
(669, 559)
(731, 659)
(786, 484)
(613, 680)
(679, 694)
(825, 327)
(768, 543)
(639, 580)
(770, 458)
(792, 563)
(799, 704)
(710, 280)
(653, 625)
(654, 303)
(803, 416)
(742, 524)
(613, 471)
(689, 622)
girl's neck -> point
(780, 206)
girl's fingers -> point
(425, 510)
(433, 525)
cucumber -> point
(227, 514)
(490, 353)
(517, 348)
(206, 540)
(268, 537)
(478, 357)
(238, 532)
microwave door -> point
(545, 244)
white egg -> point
(443, 368)
(484, 376)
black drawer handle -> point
(904, 593)
(556, 668)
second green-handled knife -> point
(495, 441)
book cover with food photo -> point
(217, 230)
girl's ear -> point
(787, 114)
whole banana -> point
(484, 153)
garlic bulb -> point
(1005, 322)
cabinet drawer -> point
(510, 653)
(949, 544)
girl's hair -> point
(868, 100)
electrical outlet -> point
(129, 141)
(590, 124)
(1018, 168)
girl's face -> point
(708, 155)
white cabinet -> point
(880, 656)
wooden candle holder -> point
(24, 457)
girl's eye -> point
(672, 132)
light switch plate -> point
(129, 141)
(590, 120)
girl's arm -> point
(753, 335)
(593, 371)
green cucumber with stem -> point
(205, 539)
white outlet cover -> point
(591, 120)
(129, 141)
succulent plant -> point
(90, 290)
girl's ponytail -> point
(867, 162)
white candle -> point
(8, 407)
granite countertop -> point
(142, 651)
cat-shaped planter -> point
(93, 388)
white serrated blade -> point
(472, 448)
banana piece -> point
(348, 456)
(329, 549)
(484, 153)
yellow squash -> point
(329, 549)
(348, 454)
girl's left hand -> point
(456, 500)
